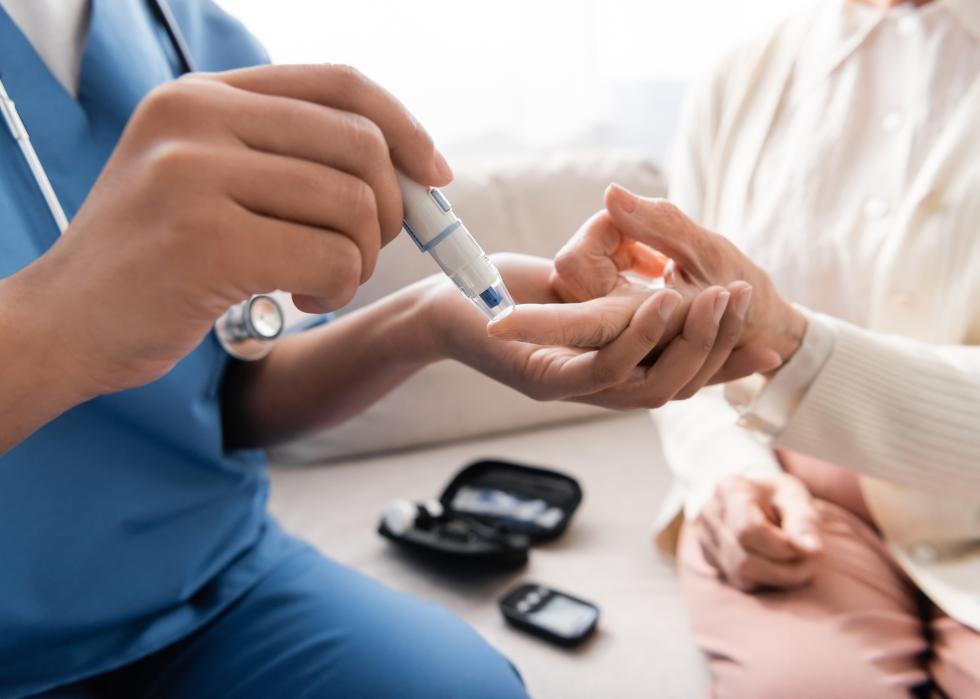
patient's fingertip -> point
(619, 197)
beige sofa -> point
(331, 487)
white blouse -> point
(871, 93)
(842, 153)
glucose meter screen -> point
(563, 616)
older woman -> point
(838, 555)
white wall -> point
(520, 75)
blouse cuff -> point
(766, 406)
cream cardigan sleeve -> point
(893, 408)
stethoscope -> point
(246, 330)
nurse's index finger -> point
(729, 334)
(687, 352)
(345, 88)
(585, 373)
(618, 360)
(589, 324)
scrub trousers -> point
(313, 628)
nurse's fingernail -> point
(442, 166)
(497, 329)
(668, 306)
(772, 362)
(742, 303)
(721, 303)
(625, 198)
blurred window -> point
(520, 75)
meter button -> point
(440, 200)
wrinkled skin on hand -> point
(610, 262)
(600, 262)
(761, 533)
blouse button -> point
(907, 26)
(892, 122)
(903, 299)
(876, 208)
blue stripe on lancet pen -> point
(491, 297)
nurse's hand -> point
(593, 349)
(222, 186)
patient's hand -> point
(760, 532)
(595, 347)
(595, 262)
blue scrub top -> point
(124, 525)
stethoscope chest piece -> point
(246, 331)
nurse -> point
(138, 558)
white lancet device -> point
(431, 223)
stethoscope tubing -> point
(161, 8)
(17, 129)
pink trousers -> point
(861, 629)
